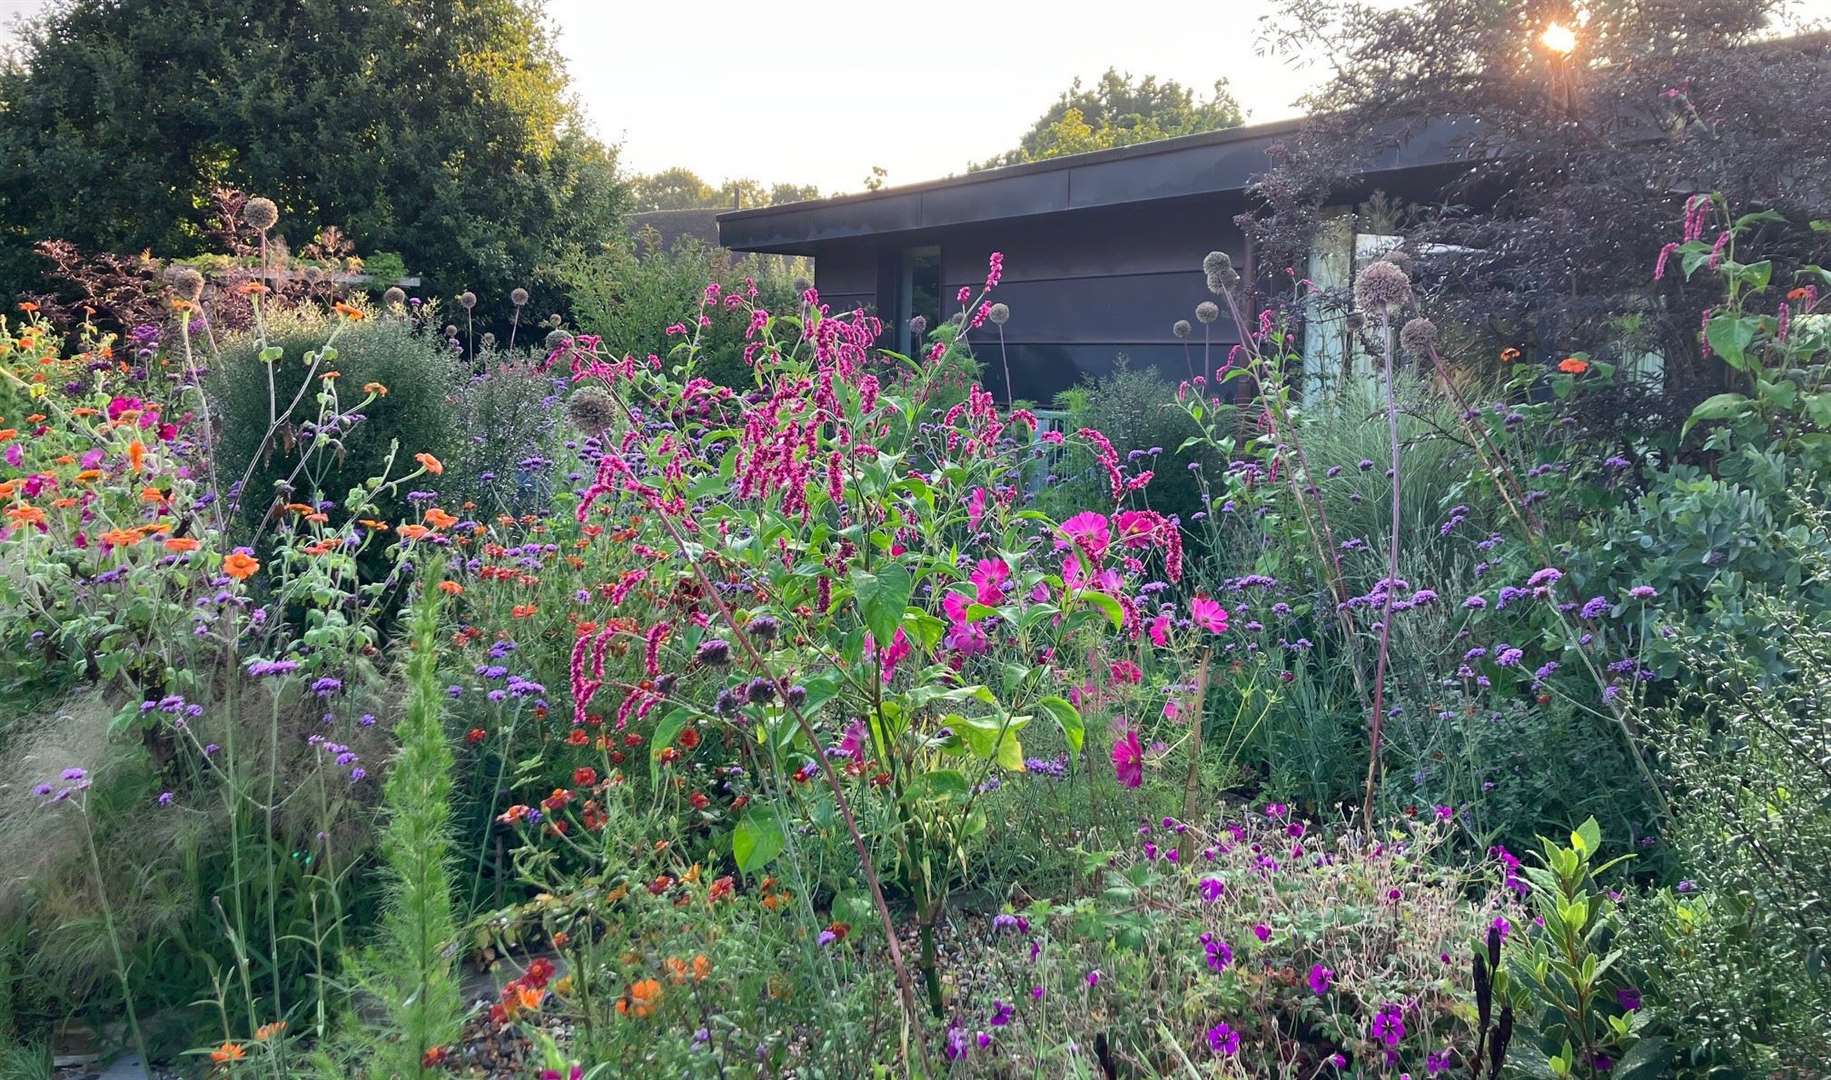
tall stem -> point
(114, 941)
(1391, 585)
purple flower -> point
(165, 798)
(1211, 889)
(1223, 1040)
(1093, 978)
(1475, 603)
(1550, 575)
(1262, 932)
(1389, 1025)
(1628, 998)
(955, 1046)
(1002, 1013)
(1596, 608)
(1643, 592)
(1502, 926)
(1321, 978)
(1220, 954)
(825, 938)
(1435, 1062)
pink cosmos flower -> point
(1208, 615)
(975, 508)
(1088, 531)
(989, 577)
(1128, 759)
(1160, 631)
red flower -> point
(584, 776)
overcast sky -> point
(819, 91)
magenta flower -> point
(1160, 631)
(989, 577)
(1223, 1040)
(1321, 978)
(1211, 889)
(1087, 531)
(1208, 615)
(1128, 759)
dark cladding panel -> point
(1006, 197)
(1157, 237)
(849, 269)
(1138, 308)
(1043, 371)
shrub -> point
(415, 414)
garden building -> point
(1103, 250)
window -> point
(918, 293)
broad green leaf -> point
(1716, 407)
(1066, 717)
(1114, 613)
(757, 839)
(882, 596)
(1730, 336)
(665, 733)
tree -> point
(439, 129)
(680, 188)
(1120, 111)
(1586, 134)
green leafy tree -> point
(1120, 110)
(678, 188)
(440, 129)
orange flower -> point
(8, 434)
(228, 1052)
(136, 455)
(439, 519)
(182, 544)
(26, 515)
(268, 1031)
(413, 532)
(1572, 365)
(27, 306)
(431, 464)
(240, 566)
(522, 611)
(371, 523)
(88, 474)
(1797, 294)
(641, 1000)
(152, 495)
(375, 388)
(330, 375)
(451, 588)
(354, 314)
(122, 538)
(250, 288)
(1508, 355)
(181, 304)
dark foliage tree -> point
(1586, 139)
(1120, 110)
(438, 129)
(680, 188)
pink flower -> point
(975, 508)
(989, 577)
(1160, 631)
(1208, 615)
(1088, 531)
(1128, 759)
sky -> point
(819, 91)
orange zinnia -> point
(439, 519)
(228, 1052)
(1572, 365)
(1508, 355)
(27, 306)
(8, 434)
(429, 463)
(26, 515)
(375, 388)
(182, 544)
(251, 288)
(122, 538)
(136, 455)
(412, 532)
(451, 588)
(240, 566)
(371, 523)
(641, 999)
(354, 314)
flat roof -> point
(1209, 163)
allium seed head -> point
(260, 214)
(1217, 267)
(592, 409)
(1382, 288)
(394, 295)
(451, 330)
(488, 340)
(999, 314)
(1181, 328)
(1418, 336)
(556, 339)
(518, 297)
(186, 282)
(313, 275)
(918, 325)
(467, 300)
(1207, 311)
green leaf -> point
(1114, 613)
(757, 839)
(941, 784)
(1646, 1058)
(665, 733)
(1068, 718)
(881, 599)
(1730, 336)
(1588, 837)
(1716, 407)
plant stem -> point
(114, 941)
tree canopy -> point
(439, 129)
(680, 188)
(1120, 110)
(1586, 132)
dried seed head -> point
(185, 281)
(557, 339)
(467, 300)
(918, 325)
(1418, 336)
(488, 341)
(802, 285)
(394, 296)
(1382, 288)
(999, 314)
(1181, 328)
(451, 330)
(1207, 311)
(1402, 259)
(518, 297)
(260, 214)
(591, 409)
(1217, 267)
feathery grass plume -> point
(411, 970)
